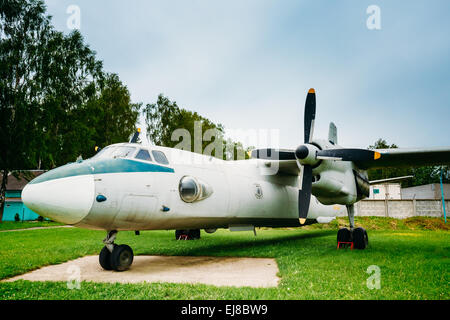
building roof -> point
(19, 182)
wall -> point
(429, 191)
(14, 205)
(389, 190)
(401, 209)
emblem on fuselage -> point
(258, 191)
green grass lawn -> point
(10, 225)
(413, 258)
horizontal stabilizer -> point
(332, 134)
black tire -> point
(179, 233)
(105, 259)
(360, 238)
(194, 234)
(187, 234)
(121, 257)
(344, 235)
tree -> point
(382, 144)
(163, 119)
(168, 125)
(55, 100)
(111, 116)
(23, 25)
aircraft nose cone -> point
(67, 200)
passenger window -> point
(160, 157)
(143, 155)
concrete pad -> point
(217, 271)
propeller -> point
(348, 155)
(302, 152)
(310, 115)
(309, 155)
(135, 137)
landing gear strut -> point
(356, 235)
(113, 256)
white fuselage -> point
(241, 194)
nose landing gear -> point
(113, 256)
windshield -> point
(115, 152)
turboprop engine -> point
(333, 181)
(329, 172)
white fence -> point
(401, 209)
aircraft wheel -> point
(187, 234)
(344, 235)
(121, 257)
(179, 234)
(360, 238)
(195, 234)
(105, 259)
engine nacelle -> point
(362, 185)
(338, 182)
(335, 187)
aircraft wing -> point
(274, 154)
(283, 159)
(289, 167)
(414, 157)
(407, 158)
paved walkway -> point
(217, 271)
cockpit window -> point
(160, 157)
(115, 152)
(123, 152)
(143, 155)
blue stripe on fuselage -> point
(100, 167)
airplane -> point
(129, 186)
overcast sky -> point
(248, 64)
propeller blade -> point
(304, 195)
(348, 154)
(135, 137)
(310, 115)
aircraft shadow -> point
(256, 243)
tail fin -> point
(332, 134)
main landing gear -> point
(192, 234)
(113, 256)
(358, 236)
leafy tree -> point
(382, 144)
(71, 77)
(23, 26)
(56, 103)
(164, 117)
(111, 116)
